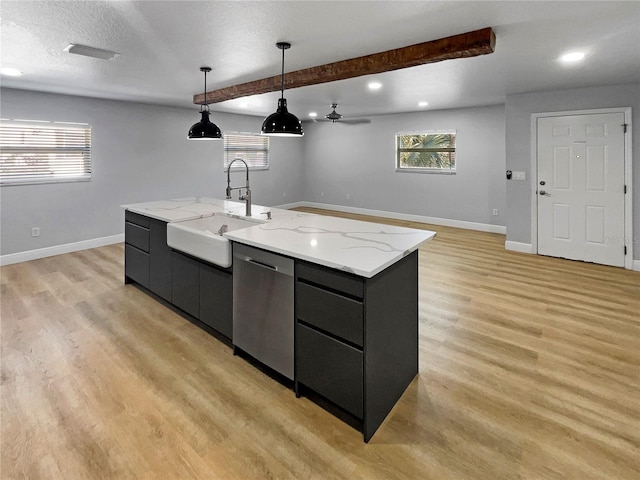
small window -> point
(44, 152)
(253, 148)
(429, 152)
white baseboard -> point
(60, 249)
(636, 265)
(518, 247)
(445, 222)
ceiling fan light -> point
(282, 123)
(205, 129)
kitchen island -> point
(354, 319)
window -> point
(430, 152)
(253, 148)
(44, 152)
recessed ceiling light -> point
(374, 85)
(423, 104)
(313, 114)
(11, 72)
(91, 51)
(572, 57)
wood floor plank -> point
(529, 368)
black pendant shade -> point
(205, 129)
(282, 123)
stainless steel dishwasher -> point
(263, 307)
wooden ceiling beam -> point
(470, 44)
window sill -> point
(426, 170)
(43, 181)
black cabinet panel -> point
(330, 368)
(137, 236)
(333, 313)
(185, 283)
(136, 265)
(159, 260)
(331, 278)
(216, 299)
(136, 218)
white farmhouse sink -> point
(203, 238)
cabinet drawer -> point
(137, 236)
(330, 368)
(136, 265)
(332, 279)
(136, 218)
(331, 312)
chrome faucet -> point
(247, 194)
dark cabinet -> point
(216, 299)
(198, 288)
(136, 265)
(356, 341)
(159, 260)
(203, 291)
(331, 368)
(185, 283)
(147, 255)
(136, 249)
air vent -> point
(90, 51)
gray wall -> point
(140, 153)
(518, 144)
(359, 160)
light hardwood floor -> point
(529, 369)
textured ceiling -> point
(162, 44)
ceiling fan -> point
(335, 117)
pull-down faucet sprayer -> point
(247, 195)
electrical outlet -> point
(348, 196)
(284, 194)
(35, 232)
(322, 194)
(496, 212)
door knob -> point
(542, 182)
(542, 192)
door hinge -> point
(625, 189)
(625, 249)
(624, 128)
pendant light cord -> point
(282, 77)
(206, 105)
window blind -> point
(43, 152)
(250, 147)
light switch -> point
(519, 175)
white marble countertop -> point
(190, 208)
(362, 248)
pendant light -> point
(282, 123)
(204, 129)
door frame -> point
(628, 177)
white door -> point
(581, 187)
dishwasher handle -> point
(260, 264)
(269, 261)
